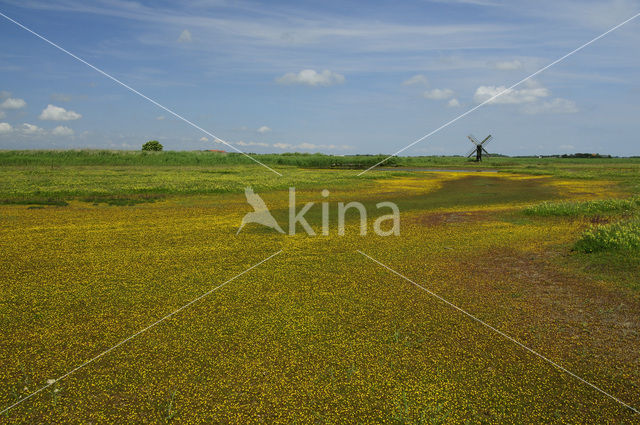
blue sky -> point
(339, 77)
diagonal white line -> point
(483, 323)
(137, 92)
(141, 331)
(447, 124)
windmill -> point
(479, 148)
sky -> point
(340, 77)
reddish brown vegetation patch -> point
(585, 323)
(598, 219)
(442, 218)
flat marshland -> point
(94, 250)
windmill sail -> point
(479, 149)
(487, 139)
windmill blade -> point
(471, 152)
(487, 139)
(473, 139)
(485, 152)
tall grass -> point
(622, 236)
(196, 158)
(585, 208)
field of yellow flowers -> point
(318, 333)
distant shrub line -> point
(309, 160)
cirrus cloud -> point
(57, 113)
(311, 146)
(61, 97)
(508, 65)
(555, 106)
(310, 77)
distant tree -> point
(152, 145)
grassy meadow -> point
(96, 246)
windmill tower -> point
(479, 148)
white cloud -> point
(282, 145)
(555, 106)
(62, 130)
(56, 113)
(438, 94)
(311, 146)
(2, 114)
(453, 103)
(307, 146)
(185, 37)
(531, 93)
(4, 94)
(508, 65)
(264, 129)
(5, 128)
(530, 97)
(13, 103)
(310, 77)
(416, 79)
(241, 143)
(31, 129)
(204, 139)
(160, 117)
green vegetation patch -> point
(622, 236)
(585, 208)
(153, 155)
